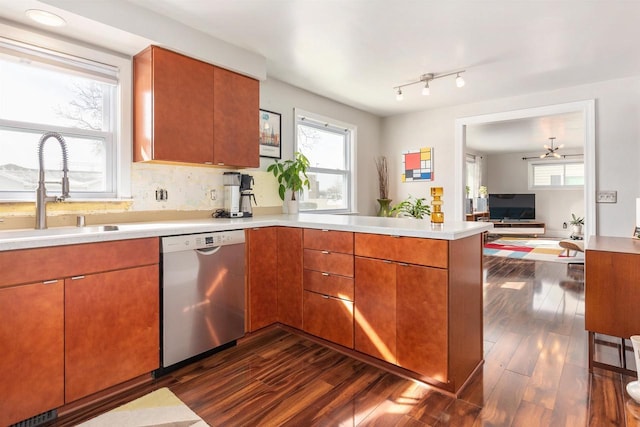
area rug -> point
(160, 408)
(531, 249)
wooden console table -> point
(612, 292)
(518, 227)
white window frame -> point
(350, 131)
(121, 147)
(563, 162)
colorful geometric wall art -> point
(417, 165)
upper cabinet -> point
(189, 111)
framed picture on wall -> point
(270, 127)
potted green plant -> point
(291, 175)
(576, 224)
(413, 207)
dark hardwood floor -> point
(535, 371)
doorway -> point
(585, 108)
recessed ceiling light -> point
(45, 18)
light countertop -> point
(453, 230)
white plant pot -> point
(577, 230)
(292, 207)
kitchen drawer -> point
(328, 318)
(327, 240)
(328, 284)
(33, 265)
(329, 262)
(411, 250)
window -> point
(329, 146)
(558, 174)
(44, 90)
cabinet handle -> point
(387, 261)
(403, 264)
(77, 277)
(324, 229)
(49, 282)
(325, 274)
(325, 252)
(208, 163)
(395, 236)
(325, 296)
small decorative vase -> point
(437, 216)
(385, 207)
(577, 229)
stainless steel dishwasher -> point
(203, 295)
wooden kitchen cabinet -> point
(189, 111)
(236, 121)
(31, 359)
(262, 249)
(111, 329)
(422, 320)
(55, 337)
(290, 276)
(375, 317)
(173, 107)
(329, 318)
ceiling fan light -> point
(459, 81)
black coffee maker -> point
(246, 194)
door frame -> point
(587, 108)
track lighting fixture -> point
(426, 78)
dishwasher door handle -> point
(209, 251)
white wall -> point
(189, 187)
(283, 98)
(508, 173)
(617, 148)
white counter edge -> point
(26, 239)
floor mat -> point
(159, 408)
(531, 249)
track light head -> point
(459, 80)
(399, 96)
(425, 90)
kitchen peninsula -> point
(399, 293)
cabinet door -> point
(173, 107)
(31, 360)
(375, 313)
(236, 110)
(329, 318)
(290, 276)
(422, 320)
(263, 278)
(111, 329)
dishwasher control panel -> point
(202, 240)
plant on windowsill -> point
(292, 176)
(576, 224)
(412, 207)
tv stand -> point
(518, 227)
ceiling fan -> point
(551, 150)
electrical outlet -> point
(214, 194)
(161, 194)
(564, 225)
(607, 197)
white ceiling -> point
(356, 51)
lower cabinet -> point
(422, 320)
(290, 276)
(32, 355)
(111, 329)
(329, 318)
(262, 247)
(375, 315)
(95, 327)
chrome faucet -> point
(41, 192)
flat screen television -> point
(512, 206)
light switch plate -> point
(607, 197)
